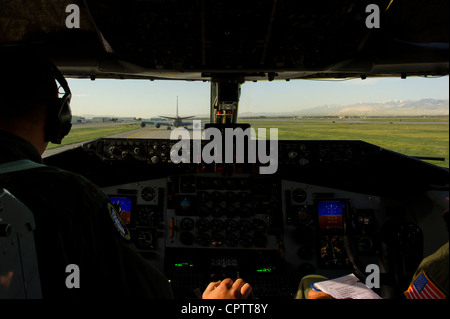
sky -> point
(145, 99)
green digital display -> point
(184, 265)
(265, 269)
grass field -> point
(409, 136)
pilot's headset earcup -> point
(59, 114)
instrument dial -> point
(148, 194)
(187, 224)
(299, 195)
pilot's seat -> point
(19, 275)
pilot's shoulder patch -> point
(423, 288)
(118, 223)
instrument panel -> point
(328, 204)
(290, 153)
(216, 212)
(201, 228)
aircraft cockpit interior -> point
(271, 211)
(332, 215)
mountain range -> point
(422, 107)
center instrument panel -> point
(211, 222)
(201, 222)
(269, 231)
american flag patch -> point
(423, 288)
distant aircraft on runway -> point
(176, 121)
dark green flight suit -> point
(75, 225)
(436, 269)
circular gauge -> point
(187, 238)
(148, 194)
(299, 195)
(144, 240)
(187, 224)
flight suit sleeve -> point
(139, 277)
(133, 275)
(80, 226)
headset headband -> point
(59, 120)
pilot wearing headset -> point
(75, 221)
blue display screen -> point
(331, 208)
(123, 206)
(123, 202)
